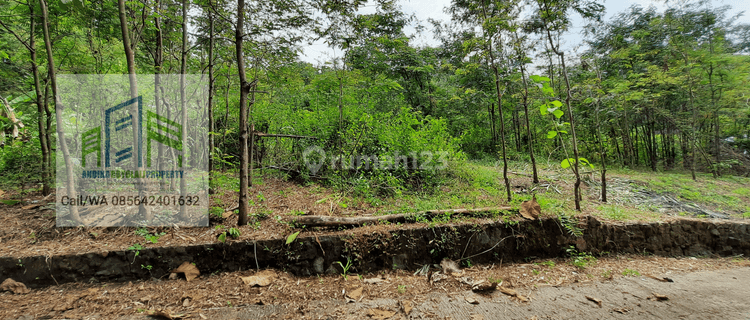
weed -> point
(580, 259)
(630, 273)
(216, 211)
(401, 289)
(345, 267)
(234, 233)
(297, 213)
(548, 263)
(147, 267)
(137, 248)
(535, 272)
(607, 274)
(570, 225)
(493, 280)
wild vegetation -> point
(651, 91)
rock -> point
(318, 265)
(332, 270)
(400, 261)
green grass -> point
(726, 193)
(630, 273)
(473, 184)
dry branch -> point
(331, 221)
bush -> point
(21, 162)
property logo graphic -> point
(138, 161)
(159, 129)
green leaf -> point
(10, 202)
(543, 109)
(586, 162)
(291, 237)
(551, 134)
(556, 103)
(558, 113)
(223, 237)
(565, 164)
(536, 78)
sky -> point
(424, 9)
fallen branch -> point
(330, 221)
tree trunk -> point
(528, 125)
(499, 108)
(244, 90)
(130, 57)
(70, 185)
(184, 122)
(211, 126)
(568, 97)
(46, 170)
(158, 60)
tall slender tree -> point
(70, 182)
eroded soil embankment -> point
(407, 249)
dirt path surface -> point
(717, 294)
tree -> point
(38, 99)
(523, 60)
(70, 187)
(553, 17)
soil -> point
(291, 297)
(28, 230)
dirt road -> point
(721, 294)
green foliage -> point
(570, 224)
(153, 238)
(345, 267)
(548, 263)
(630, 273)
(292, 237)
(20, 164)
(580, 259)
(234, 233)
